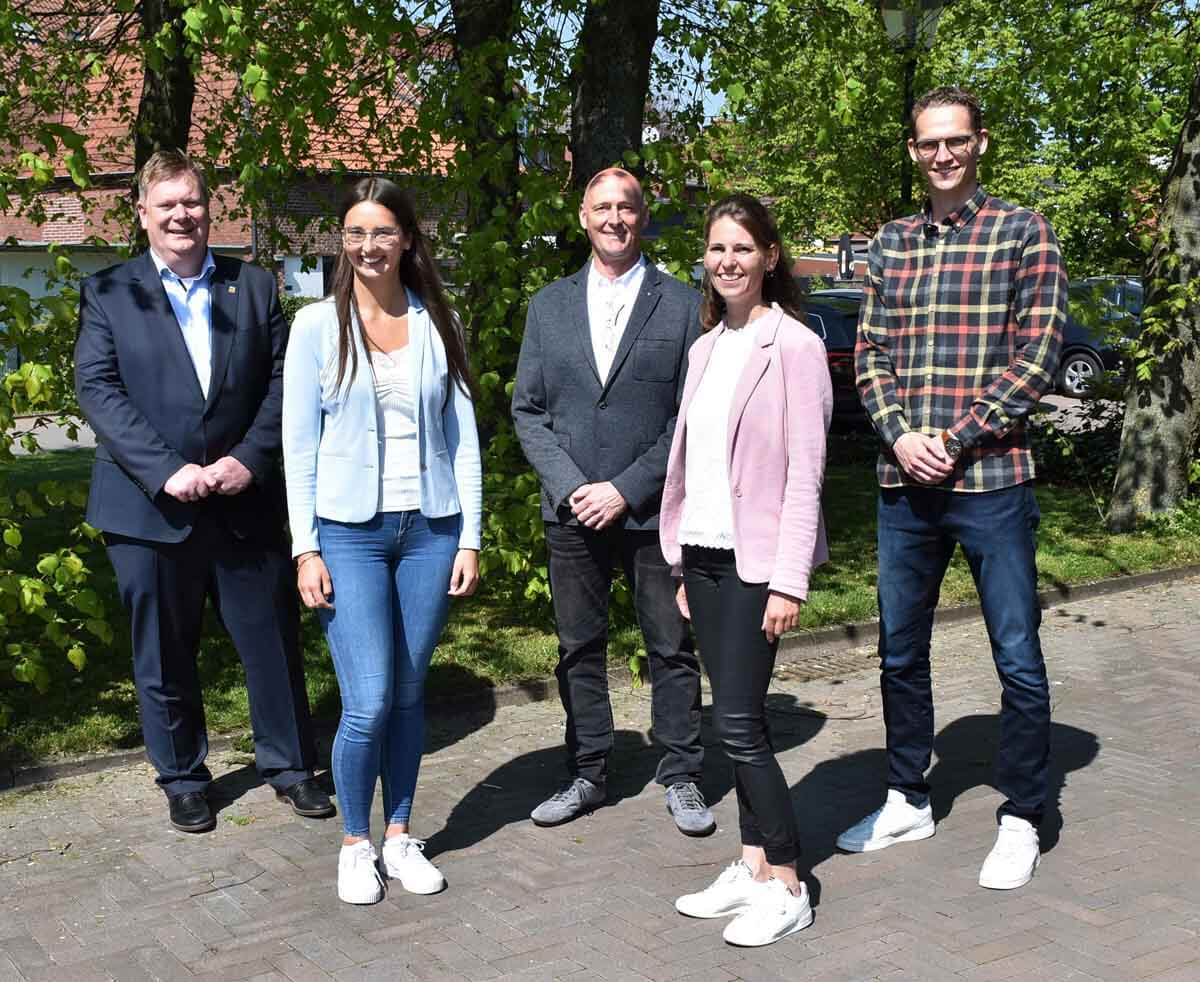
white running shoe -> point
(774, 913)
(896, 821)
(404, 860)
(358, 878)
(1013, 858)
(729, 893)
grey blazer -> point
(573, 429)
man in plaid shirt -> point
(959, 338)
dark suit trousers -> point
(581, 571)
(163, 587)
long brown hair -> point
(779, 286)
(418, 271)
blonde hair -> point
(164, 165)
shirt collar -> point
(165, 271)
(623, 281)
(963, 216)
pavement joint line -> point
(793, 649)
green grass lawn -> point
(490, 643)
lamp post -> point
(910, 24)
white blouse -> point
(707, 518)
(399, 454)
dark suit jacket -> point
(575, 430)
(138, 389)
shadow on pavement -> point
(442, 729)
(510, 792)
(837, 793)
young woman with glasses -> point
(384, 492)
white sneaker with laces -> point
(1013, 858)
(358, 878)
(404, 860)
(729, 893)
(896, 821)
(774, 913)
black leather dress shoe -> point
(190, 812)
(308, 799)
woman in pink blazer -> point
(741, 520)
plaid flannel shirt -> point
(960, 330)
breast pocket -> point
(654, 361)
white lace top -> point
(707, 518)
(399, 454)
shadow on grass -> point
(837, 793)
(510, 792)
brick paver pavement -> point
(94, 885)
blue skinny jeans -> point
(390, 580)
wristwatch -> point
(952, 444)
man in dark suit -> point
(598, 385)
(179, 370)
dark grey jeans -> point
(581, 570)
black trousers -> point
(164, 587)
(727, 616)
(581, 571)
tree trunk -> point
(168, 88)
(611, 82)
(483, 34)
(1159, 436)
(164, 115)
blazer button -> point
(737, 492)
(603, 405)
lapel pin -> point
(232, 288)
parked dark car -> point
(833, 317)
(1103, 316)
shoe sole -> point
(361, 903)
(912, 835)
(543, 824)
(1011, 884)
(192, 829)
(732, 912)
(420, 893)
(799, 926)
(694, 833)
(328, 812)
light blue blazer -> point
(330, 439)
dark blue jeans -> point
(581, 572)
(918, 530)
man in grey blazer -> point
(598, 385)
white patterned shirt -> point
(610, 303)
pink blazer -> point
(776, 456)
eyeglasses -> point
(957, 145)
(385, 237)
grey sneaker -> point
(687, 807)
(577, 798)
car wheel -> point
(1079, 369)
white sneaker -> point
(896, 821)
(729, 893)
(1013, 858)
(774, 913)
(404, 860)
(358, 879)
